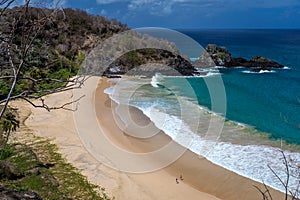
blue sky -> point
(196, 13)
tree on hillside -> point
(29, 68)
(9, 123)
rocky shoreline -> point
(147, 62)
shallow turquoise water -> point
(267, 103)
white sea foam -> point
(260, 72)
(220, 67)
(212, 74)
(251, 161)
(155, 80)
(170, 124)
(193, 59)
(286, 67)
(239, 67)
(208, 72)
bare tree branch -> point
(6, 4)
(15, 74)
(75, 83)
(290, 169)
(18, 43)
(64, 106)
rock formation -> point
(148, 62)
(220, 56)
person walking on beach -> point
(177, 180)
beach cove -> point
(202, 179)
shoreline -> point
(60, 127)
(160, 183)
(202, 179)
(219, 181)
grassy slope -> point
(39, 167)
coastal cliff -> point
(157, 60)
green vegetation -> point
(133, 59)
(36, 165)
(60, 41)
(8, 124)
(40, 50)
(221, 55)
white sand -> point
(202, 179)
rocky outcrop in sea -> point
(220, 56)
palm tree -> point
(9, 124)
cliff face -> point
(133, 53)
(147, 62)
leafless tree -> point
(291, 170)
(14, 55)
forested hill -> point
(40, 49)
(60, 41)
(67, 30)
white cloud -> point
(157, 7)
(257, 3)
(154, 7)
(110, 1)
(103, 12)
(167, 7)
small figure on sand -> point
(181, 178)
(177, 180)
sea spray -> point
(155, 80)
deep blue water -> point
(270, 102)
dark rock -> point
(112, 76)
(237, 62)
(9, 171)
(18, 195)
(265, 62)
(49, 178)
(148, 62)
(204, 61)
(34, 171)
(221, 57)
(47, 165)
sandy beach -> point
(201, 178)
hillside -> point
(60, 41)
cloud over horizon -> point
(196, 13)
(166, 6)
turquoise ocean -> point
(262, 109)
